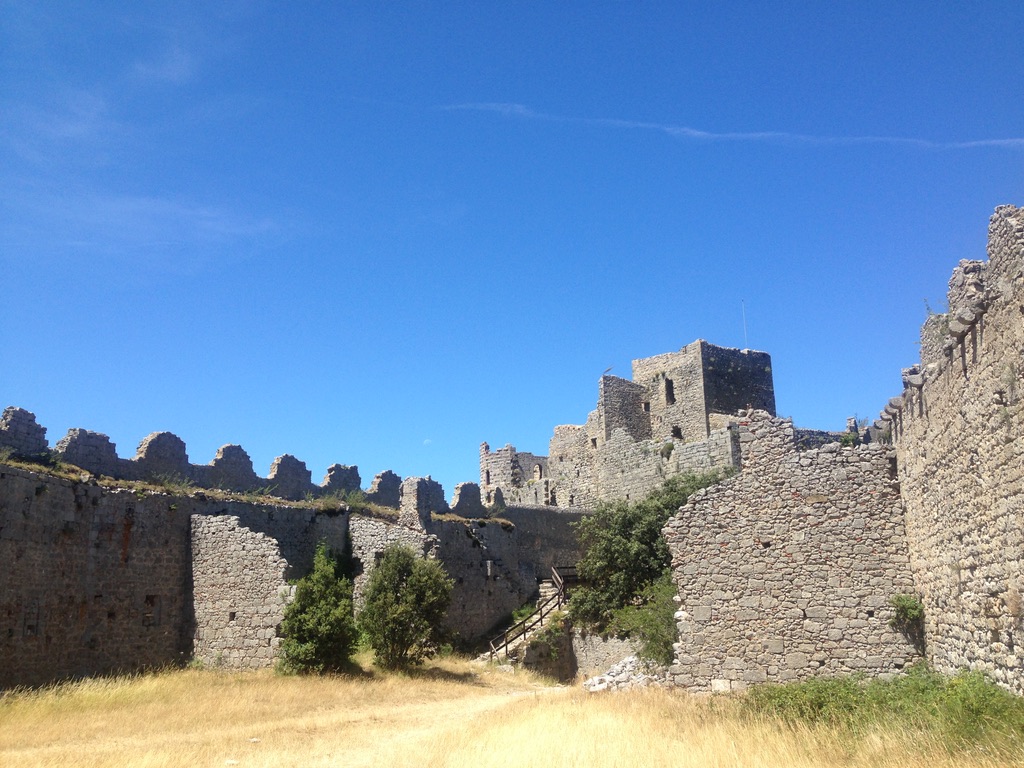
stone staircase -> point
(553, 597)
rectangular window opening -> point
(151, 611)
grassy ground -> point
(453, 713)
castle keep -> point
(784, 570)
(676, 415)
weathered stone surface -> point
(289, 478)
(386, 489)
(160, 456)
(231, 469)
(676, 415)
(418, 498)
(91, 451)
(961, 465)
(466, 501)
(341, 479)
(768, 564)
(99, 580)
(595, 654)
(20, 433)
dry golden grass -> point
(655, 729)
(452, 714)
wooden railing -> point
(563, 576)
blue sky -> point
(379, 234)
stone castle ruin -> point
(196, 562)
(784, 570)
(676, 415)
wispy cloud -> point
(685, 132)
(173, 64)
(167, 222)
(151, 233)
(68, 127)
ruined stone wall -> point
(957, 430)
(161, 458)
(370, 536)
(785, 571)
(94, 581)
(101, 580)
(630, 470)
(498, 564)
(542, 538)
(572, 461)
(674, 417)
(491, 578)
(243, 557)
(236, 615)
(621, 468)
(510, 470)
(20, 434)
(736, 379)
(596, 654)
(386, 489)
(675, 387)
(625, 406)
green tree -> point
(651, 620)
(319, 629)
(404, 604)
(625, 569)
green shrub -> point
(966, 711)
(908, 618)
(624, 551)
(523, 612)
(974, 710)
(551, 633)
(318, 628)
(652, 621)
(819, 701)
(907, 610)
(404, 604)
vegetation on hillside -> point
(625, 569)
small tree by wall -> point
(405, 601)
(319, 629)
(627, 587)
